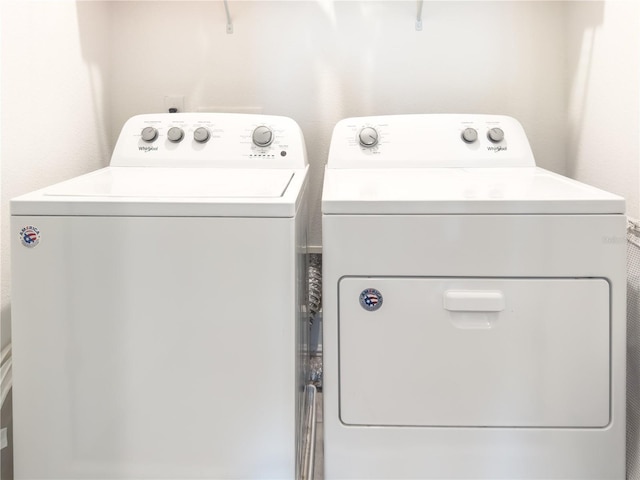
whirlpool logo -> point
(497, 148)
(147, 149)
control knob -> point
(201, 135)
(469, 135)
(149, 134)
(175, 134)
(262, 136)
(495, 135)
(368, 137)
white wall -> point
(53, 103)
(320, 61)
(603, 142)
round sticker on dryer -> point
(30, 236)
(371, 299)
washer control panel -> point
(430, 140)
(210, 139)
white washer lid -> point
(524, 190)
(144, 191)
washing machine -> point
(158, 308)
(474, 307)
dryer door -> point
(477, 352)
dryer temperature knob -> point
(149, 134)
(201, 135)
(495, 135)
(175, 134)
(368, 137)
(262, 136)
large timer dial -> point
(262, 136)
(368, 137)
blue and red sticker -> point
(371, 299)
(30, 236)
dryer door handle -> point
(474, 300)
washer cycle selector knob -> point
(262, 136)
(175, 134)
(149, 134)
(368, 137)
(495, 135)
(201, 135)
(469, 135)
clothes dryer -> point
(158, 306)
(474, 307)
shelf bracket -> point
(229, 22)
(418, 16)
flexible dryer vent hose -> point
(315, 285)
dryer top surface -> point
(525, 190)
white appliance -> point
(158, 327)
(474, 307)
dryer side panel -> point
(460, 247)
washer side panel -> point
(154, 347)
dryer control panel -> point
(430, 140)
(210, 140)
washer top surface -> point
(447, 164)
(205, 183)
(191, 164)
(143, 191)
